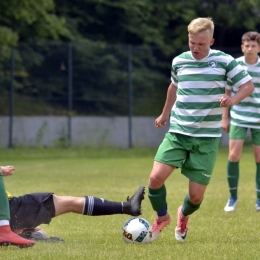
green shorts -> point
(196, 156)
(239, 133)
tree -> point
(29, 20)
(101, 31)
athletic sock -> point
(4, 203)
(158, 199)
(162, 212)
(233, 177)
(188, 207)
(98, 207)
(257, 181)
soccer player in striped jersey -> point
(243, 116)
(194, 101)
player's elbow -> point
(248, 88)
(251, 88)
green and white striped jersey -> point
(247, 112)
(197, 111)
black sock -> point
(98, 207)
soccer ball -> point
(137, 230)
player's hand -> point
(225, 124)
(226, 101)
(161, 121)
(7, 170)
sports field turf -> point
(114, 174)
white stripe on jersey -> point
(188, 71)
(204, 124)
(203, 84)
(198, 98)
(251, 100)
(197, 112)
(247, 109)
(256, 80)
(237, 116)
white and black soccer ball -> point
(137, 230)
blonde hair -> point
(201, 24)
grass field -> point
(114, 174)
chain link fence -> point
(85, 79)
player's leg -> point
(32, 210)
(170, 155)
(236, 141)
(191, 203)
(94, 206)
(7, 237)
(4, 205)
(257, 178)
(256, 148)
(235, 151)
(198, 168)
(157, 196)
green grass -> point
(114, 174)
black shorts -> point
(31, 210)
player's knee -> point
(234, 157)
(195, 199)
(155, 182)
(257, 159)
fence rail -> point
(83, 79)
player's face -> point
(200, 44)
(250, 49)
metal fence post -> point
(70, 90)
(11, 99)
(130, 96)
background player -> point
(244, 115)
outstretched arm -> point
(7, 170)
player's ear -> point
(212, 41)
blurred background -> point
(68, 64)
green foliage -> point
(100, 78)
(101, 32)
(232, 18)
(159, 23)
(29, 20)
(114, 174)
(8, 37)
